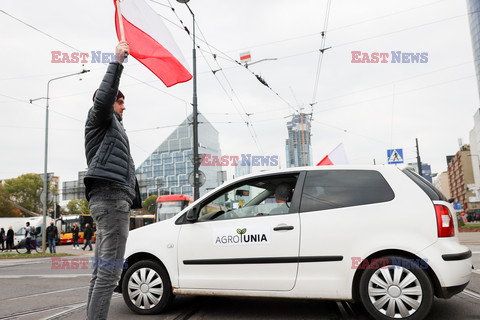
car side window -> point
(253, 198)
(332, 189)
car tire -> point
(146, 288)
(396, 287)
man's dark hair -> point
(119, 95)
(283, 192)
(28, 223)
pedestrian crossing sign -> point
(395, 156)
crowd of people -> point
(6, 239)
(52, 236)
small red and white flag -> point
(245, 57)
(150, 41)
(337, 156)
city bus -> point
(170, 205)
(66, 225)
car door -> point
(337, 212)
(245, 247)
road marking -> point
(476, 271)
(5, 264)
(74, 308)
(471, 294)
(45, 293)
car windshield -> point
(20, 231)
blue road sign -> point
(395, 156)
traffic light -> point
(55, 214)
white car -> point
(379, 235)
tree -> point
(78, 206)
(149, 204)
(6, 208)
(25, 190)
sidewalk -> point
(469, 238)
(67, 248)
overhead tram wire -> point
(246, 120)
(125, 73)
(227, 57)
(320, 57)
(335, 29)
(77, 50)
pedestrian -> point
(28, 236)
(52, 235)
(2, 237)
(87, 236)
(10, 236)
(110, 184)
(75, 231)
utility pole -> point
(419, 162)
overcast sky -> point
(368, 107)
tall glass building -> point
(473, 8)
(167, 169)
(298, 145)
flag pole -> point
(120, 20)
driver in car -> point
(283, 196)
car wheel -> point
(146, 288)
(396, 288)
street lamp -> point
(196, 191)
(45, 176)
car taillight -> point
(445, 224)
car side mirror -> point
(192, 214)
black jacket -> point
(88, 233)
(106, 144)
(75, 231)
(10, 235)
(52, 232)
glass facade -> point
(473, 8)
(298, 143)
(426, 170)
(167, 169)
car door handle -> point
(280, 228)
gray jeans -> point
(112, 219)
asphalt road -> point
(35, 289)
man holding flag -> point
(110, 185)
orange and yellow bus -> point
(66, 225)
(170, 205)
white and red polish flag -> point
(150, 41)
(337, 156)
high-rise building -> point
(475, 148)
(74, 189)
(460, 178)
(473, 10)
(242, 169)
(298, 145)
(426, 170)
(167, 169)
(441, 183)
